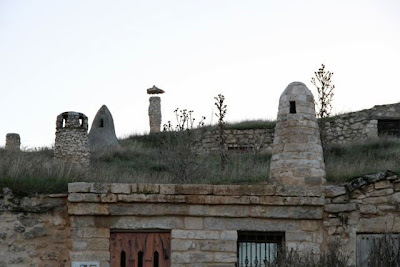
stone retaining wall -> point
(33, 230)
(240, 140)
(203, 219)
(340, 129)
(369, 204)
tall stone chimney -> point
(72, 142)
(13, 141)
(155, 109)
(297, 151)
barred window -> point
(258, 249)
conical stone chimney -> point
(297, 151)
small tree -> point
(325, 88)
(219, 102)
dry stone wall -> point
(33, 230)
(370, 204)
(240, 140)
(340, 129)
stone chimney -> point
(155, 109)
(72, 142)
(13, 141)
(297, 157)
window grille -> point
(258, 249)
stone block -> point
(383, 184)
(217, 245)
(89, 255)
(100, 188)
(334, 191)
(148, 188)
(121, 188)
(340, 207)
(381, 192)
(88, 209)
(108, 198)
(194, 234)
(226, 257)
(298, 236)
(309, 225)
(229, 235)
(182, 245)
(191, 257)
(193, 223)
(80, 187)
(90, 232)
(132, 222)
(368, 209)
(376, 200)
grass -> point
(345, 162)
(146, 159)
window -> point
(292, 107)
(378, 250)
(258, 248)
(389, 127)
(101, 124)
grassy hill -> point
(166, 158)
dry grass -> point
(344, 162)
(145, 159)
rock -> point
(154, 90)
(35, 233)
(102, 133)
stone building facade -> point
(205, 223)
(13, 141)
(72, 141)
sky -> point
(77, 55)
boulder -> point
(102, 133)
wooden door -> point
(140, 249)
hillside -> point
(166, 158)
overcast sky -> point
(58, 56)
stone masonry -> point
(240, 140)
(33, 230)
(155, 109)
(297, 157)
(102, 133)
(13, 141)
(203, 220)
(72, 142)
(339, 129)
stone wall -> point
(360, 125)
(33, 230)
(370, 204)
(240, 140)
(340, 129)
(203, 219)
